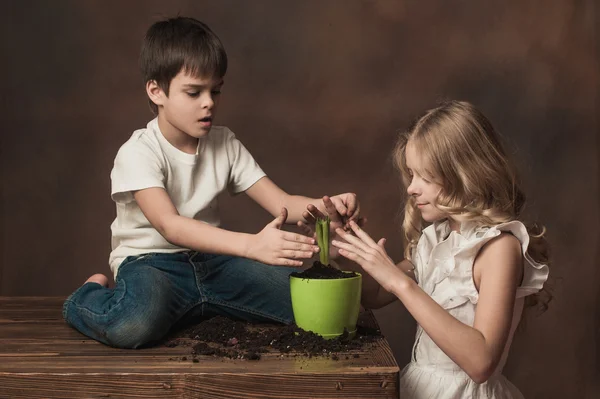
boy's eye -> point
(193, 93)
(216, 92)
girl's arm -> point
(381, 297)
(497, 270)
(271, 245)
(373, 295)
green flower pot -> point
(326, 306)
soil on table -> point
(321, 271)
(226, 338)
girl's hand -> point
(371, 256)
(276, 247)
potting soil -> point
(223, 337)
(320, 271)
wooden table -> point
(42, 357)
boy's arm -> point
(272, 198)
(271, 245)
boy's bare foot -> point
(99, 279)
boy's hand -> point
(346, 205)
(276, 247)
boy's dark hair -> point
(177, 44)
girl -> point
(469, 263)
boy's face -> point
(190, 107)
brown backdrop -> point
(316, 90)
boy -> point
(171, 262)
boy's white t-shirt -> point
(192, 181)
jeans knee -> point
(138, 328)
(146, 314)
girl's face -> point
(422, 187)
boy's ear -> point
(155, 93)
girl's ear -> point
(155, 93)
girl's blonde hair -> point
(463, 152)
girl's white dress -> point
(443, 263)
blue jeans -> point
(155, 292)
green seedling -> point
(322, 229)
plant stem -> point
(322, 229)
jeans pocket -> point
(206, 264)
